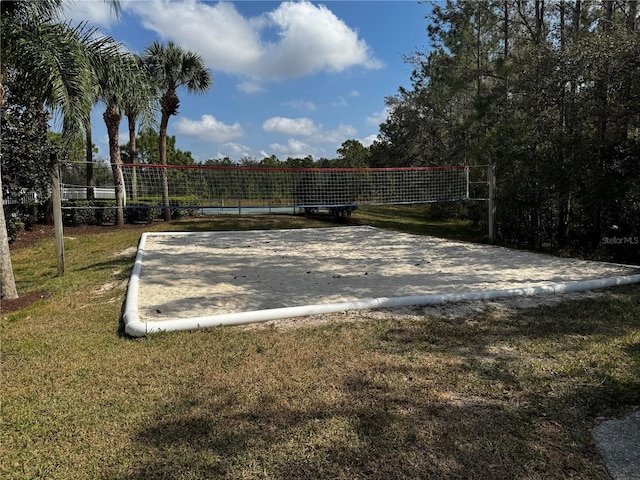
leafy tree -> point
(271, 161)
(173, 67)
(25, 151)
(219, 162)
(25, 148)
(536, 89)
(353, 154)
(147, 150)
(51, 57)
(306, 162)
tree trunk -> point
(3, 77)
(633, 13)
(577, 12)
(56, 202)
(564, 200)
(601, 87)
(539, 33)
(162, 145)
(7, 281)
(112, 120)
(133, 155)
(90, 182)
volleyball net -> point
(308, 188)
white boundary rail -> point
(134, 326)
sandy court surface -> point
(198, 274)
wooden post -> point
(491, 179)
(57, 213)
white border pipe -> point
(136, 328)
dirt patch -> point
(7, 306)
(127, 252)
(28, 238)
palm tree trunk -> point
(7, 281)
(162, 145)
(133, 154)
(90, 181)
(112, 120)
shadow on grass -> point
(377, 435)
(500, 397)
(121, 265)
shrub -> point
(140, 213)
(14, 227)
(184, 206)
(105, 212)
(21, 216)
(76, 213)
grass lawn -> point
(493, 395)
(413, 219)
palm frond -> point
(141, 101)
(195, 76)
(172, 67)
(51, 64)
(23, 11)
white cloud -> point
(96, 13)
(290, 126)
(308, 38)
(226, 40)
(294, 148)
(340, 102)
(337, 136)
(305, 127)
(237, 151)
(250, 86)
(301, 105)
(378, 117)
(369, 139)
(208, 128)
(313, 39)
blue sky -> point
(290, 78)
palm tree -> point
(52, 59)
(105, 63)
(124, 87)
(173, 67)
(139, 104)
(48, 56)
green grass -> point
(493, 395)
(415, 219)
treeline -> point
(548, 92)
(351, 154)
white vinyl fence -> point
(79, 192)
(67, 192)
(23, 197)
